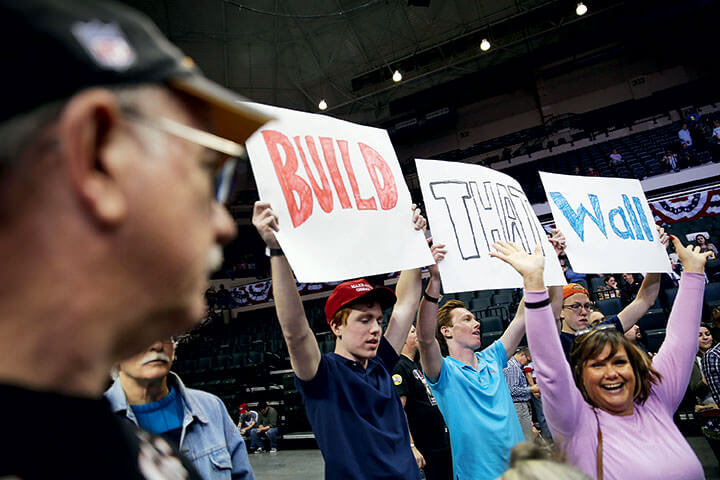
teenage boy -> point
(350, 400)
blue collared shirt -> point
(479, 413)
(519, 389)
(209, 438)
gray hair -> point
(21, 131)
(18, 133)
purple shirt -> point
(646, 444)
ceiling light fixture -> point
(484, 45)
(581, 9)
(397, 76)
(322, 105)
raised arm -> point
(676, 355)
(512, 336)
(646, 296)
(407, 291)
(300, 339)
(430, 354)
(514, 333)
(562, 401)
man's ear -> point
(336, 329)
(445, 331)
(89, 130)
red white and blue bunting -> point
(261, 292)
(687, 207)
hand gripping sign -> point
(343, 205)
(607, 224)
(471, 207)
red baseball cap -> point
(352, 290)
(243, 407)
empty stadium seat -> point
(609, 306)
(654, 339)
(712, 295)
(503, 297)
(670, 294)
(654, 319)
(491, 324)
(479, 303)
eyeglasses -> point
(577, 307)
(603, 326)
(227, 162)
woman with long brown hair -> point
(610, 409)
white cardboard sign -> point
(471, 207)
(343, 206)
(607, 223)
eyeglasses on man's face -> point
(224, 152)
(577, 307)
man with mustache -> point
(146, 393)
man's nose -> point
(225, 229)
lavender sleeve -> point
(675, 358)
(562, 401)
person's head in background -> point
(705, 339)
(610, 281)
(532, 462)
(596, 317)
(522, 355)
(634, 334)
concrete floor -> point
(308, 464)
(288, 465)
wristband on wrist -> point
(430, 298)
(273, 252)
(539, 304)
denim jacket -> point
(209, 438)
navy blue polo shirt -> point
(357, 418)
(567, 339)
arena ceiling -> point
(295, 53)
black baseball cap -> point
(53, 49)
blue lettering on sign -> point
(577, 219)
(629, 223)
(643, 219)
(624, 234)
(633, 218)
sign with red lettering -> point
(469, 208)
(337, 187)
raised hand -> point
(692, 259)
(664, 238)
(557, 240)
(418, 220)
(531, 267)
(266, 222)
(438, 251)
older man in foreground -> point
(110, 222)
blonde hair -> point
(531, 462)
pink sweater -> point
(646, 444)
